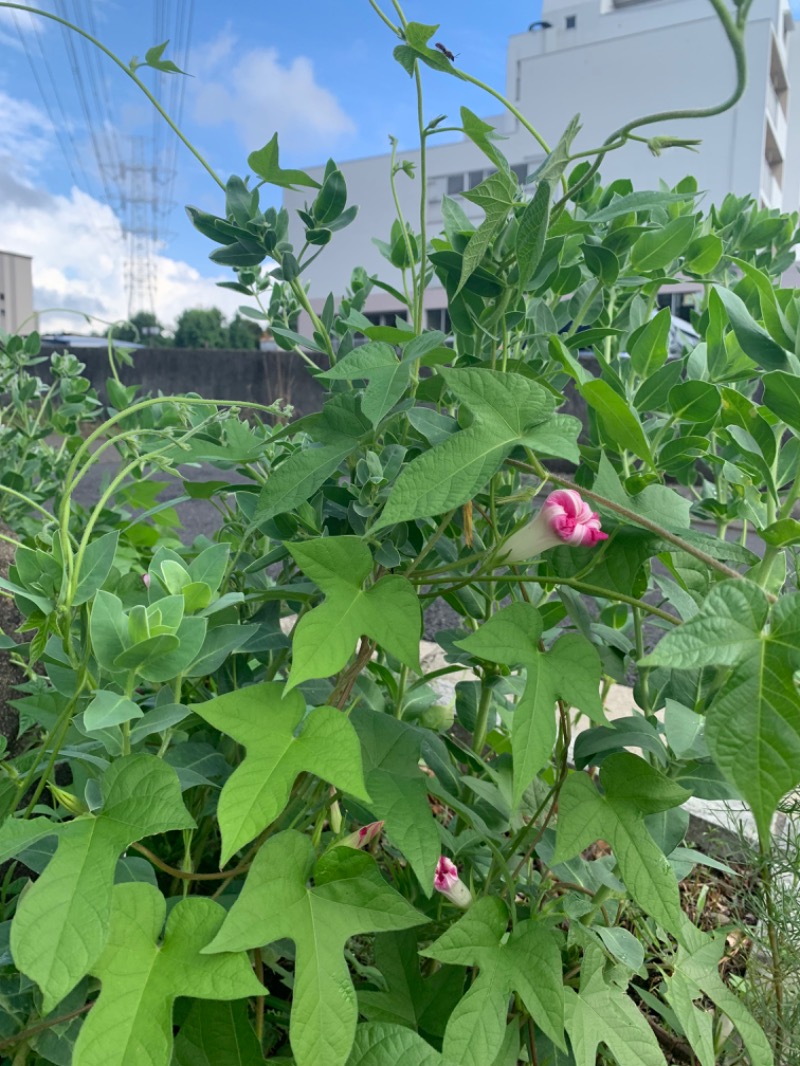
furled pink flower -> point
(565, 518)
(363, 837)
(447, 881)
(146, 580)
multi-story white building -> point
(16, 293)
(611, 61)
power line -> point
(60, 128)
(82, 96)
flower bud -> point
(68, 801)
(564, 519)
(146, 580)
(362, 837)
(447, 881)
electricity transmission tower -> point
(133, 174)
(136, 182)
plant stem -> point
(580, 586)
(768, 890)
(47, 1023)
(733, 31)
(419, 294)
(482, 718)
(187, 875)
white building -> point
(16, 293)
(611, 61)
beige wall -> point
(16, 294)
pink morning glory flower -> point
(565, 518)
(447, 881)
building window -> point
(455, 184)
(571, 22)
(386, 318)
(438, 318)
(521, 170)
(475, 178)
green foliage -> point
(476, 1028)
(247, 734)
(62, 923)
(387, 612)
(325, 744)
(349, 897)
(141, 979)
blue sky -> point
(320, 72)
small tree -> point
(201, 328)
(243, 333)
(141, 328)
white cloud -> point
(77, 242)
(262, 95)
(25, 131)
(79, 262)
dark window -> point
(475, 178)
(438, 318)
(455, 184)
(571, 22)
(521, 170)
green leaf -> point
(387, 375)
(484, 136)
(696, 974)
(603, 1013)
(623, 945)
(621, 425)
(635, 202)
(505, 407)
(753, 721)
(210, 565)
(108, 629)
(379, 1044)
(131, 1020)
(477, 1026)
(782, 397)
(279, 743)
(387, 612)
(659, 249)
(350, 897)
(108, 709)
(495, 195)
(331, 199)
(417, 1002)
(339, 428)
(532, 232)
(585, 816)
(62, 921)
(95, 567)
(217, 1034)
(570, 670)
(754, 339)
(602, 262)
(648, 346)
(694, 401)
(782, 533)
(152, 58)
(774, 319)
(703, 254)
(657, 503)
(264, 162)
(398, 789)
